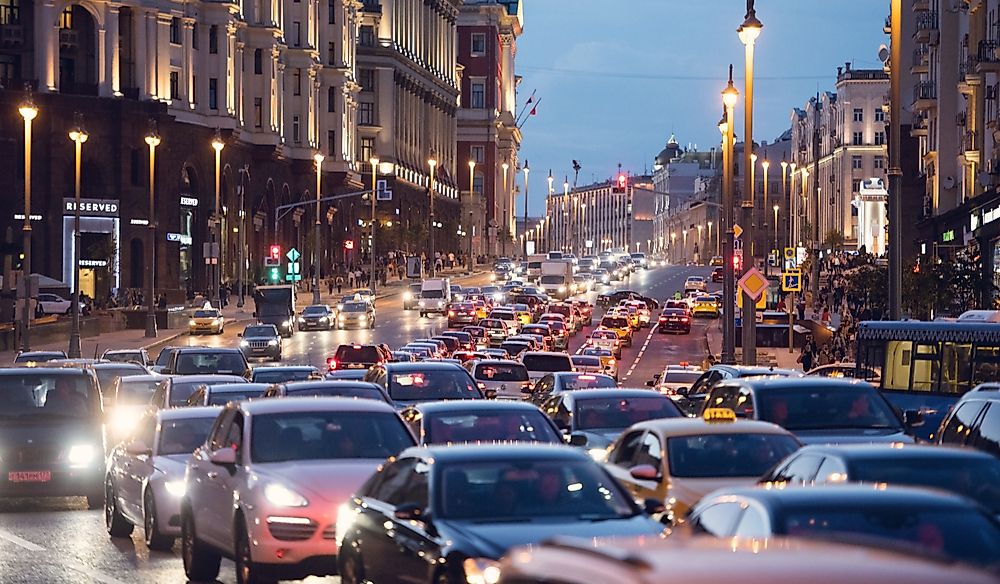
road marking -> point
(31, 547)
(98, 576)
(642, 351)
(79, 567)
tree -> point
(834, 239)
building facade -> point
(593, 218)
(678, 182)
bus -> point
(927, 366)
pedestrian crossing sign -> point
(791, 281)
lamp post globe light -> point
(748, 32)
(316, 255)
(526, 170)
(729, 98)
(472, 192)
(375, 164)
(216, 284)
(78, 136)
(152, 140)
(432, 162)
(28, 112)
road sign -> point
(737, 230)
(789, 253)
(791, 281)
(772, 259)
(753, 283)
(761, 303)
(293, 255)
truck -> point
(533, 270)
(276, 305)
(557, 278)
(435, 296)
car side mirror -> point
(138, 448)
(913, 418)
(577, 440)
(644, 472)
(410, 512)
(682, 391)
(490, 393)
(651, 383)
(223, 457)
(240, 335)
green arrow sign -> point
(293, 255)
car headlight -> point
(302, 319)
(324, 318)
(176, 488)
(481, 571)
(281, 496)
(286, 324)
(272, 343)
(244, 343)
(363, 318)
(191, 322)
(598, 454)
(81, 454)
(217, 320)
(340, 307)
(562, 288)
(407, 296)
(421, 303)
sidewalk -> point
(767, 357)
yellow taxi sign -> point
(719, 415)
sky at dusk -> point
(616, 78)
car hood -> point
(172, 465)
(852, 436)
(333, 481)
(600, 438)
(493, 540)
(54, 432)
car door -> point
(138, 468)
(215, 498)
(799, 471)
(956, 427)
(413, 544)
(376, 523)
(753, 523)
(622, 458)
(987, 434)
(650, 452)
(543, 389)
(716, 519)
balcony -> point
(921, 60)
(919, 127)
(924, 95)
(968, 75)
(927, 27)
(970, 146)
(11, 35)
(921, 5)
(988, 61)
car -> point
(594, 418)
(680, 460)
(314, 388)
(691, 401)
(497, 353)
(498, 496)
(506, 378)
(674, 320)
(609, 363)
(451, 344)
(848, 370)
(162, 358)
(540, 363)
(607, 339)
(410, 383)
(284, 373)
(206, 361)
(52, 425)
(587, 363)
(479, 421)
(695, 283)
(222, 393)
(144, 482)
(621, 326)
(534, 342)
(613, 298)
(346, 375)
(410, 353)
(497, 331)
(601, 276)
(462, 313)
(440, 346)
(207, 320)
(356, 356)
(356, 315)
(543, 330)
(175, 390)
(516, 348)
(317, 317)
(109, 372)
(816, 409)
(974, 421)
(289, 464)
(716, 261)
(411, 296)
(675, 380)
(33, 357)
(465, 340)
(480, 336)
(522, 312)
(925, 522)
(556, 383)
(139, 356)
(125, 403)
(53, 304)
(717, 275)
(507, 316)
(261, 341)
(964, 471)
(705, 306)
(586, 311)
(582, 283)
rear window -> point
(622, 412)
(132, 393)
(281, 375)
(357, 354)
(614, 322)
(585, 381)
(501, 372)
(364, 391)
(604, 335)
(586, 361)
(547, 363)
(204, 363)
(463, 337)
(438, 384)
(224, 397)
(502, 315)
(493, 426)
(681, 376)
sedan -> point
(478, 422)
(221, 394)
(674, 320)
(284, 373)
(353, 389)
(356, 315)
(54, 304)
(506, 379)
(317, 317)
(594, 418)
(609, 364)
(207, 320)
(556, 383)
(462, 313)
(466, 506)
(145, 476)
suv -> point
(507, 378)
(411, 298)
(261, 341)
(206, 361)
(975, 420)
(540, 363)
(357, 357)
(139, 356)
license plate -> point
(35, 476)
(354, 366)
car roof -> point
(205, 378)
(498, 362)
(47, 370)
(851, 496)
(117, 365)
(473, 405)
(236, 387)
(766, 383)
(284, 368)
(692, 426)
(206, 350)
(313, 404)
(496, 452)
(188, 413)
(422, 366)
(756, 370)
(545, 354)
(897, 451)
(321, 383)
(612, 392)
(142, 378)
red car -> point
(717, 274)
(461, 313)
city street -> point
(59, 540)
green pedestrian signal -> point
(275, 275)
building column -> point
(46, 47)
(228, 85)
(162, 22)
(280, 114)
(111, 51)
(272, 109)
(149, 71)
(238, 83)
(141, 75)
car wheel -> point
(154, 539)
(116, 523)
(95, 500)
(352, 569)
(68, 311)
(247, 572)
(201, 563)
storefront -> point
(872, 219)
(100, 234)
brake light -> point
(611, 361)
(685, 319)
(331, 363)
(451, 313)
(587, 377)
(481, 385)
(663, 319)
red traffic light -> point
(275, 252)
(621, 183)
(348, 244)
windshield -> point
(206, 313)
(615, 413)
(615, 323)
(496, 426)
(335, 435)
(727, 455)
(547, 363)
(436, 384)
(260, 331)
(529, 490)
(501, 372)
(597, 352)
(340, 389)
(41, 394)
(315, 311)
(106, 376)
(281, 375)
(431, 294)
(181, 389)
(224, 397)
(183, 436)
(135, 392)
(553, 279)
(502, 315)
(963, 534)
(357, 354)
(355, 307)
(209, 363)
(802, 407)
(976, 478)
(584, 381)
(681, 376)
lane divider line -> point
(642, 351)
(20, 542)
(94, 574)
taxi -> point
(482, 310)
(207, 320)
(605, 339)
(620, 325)
(631, 313)
(642, 309)
(680, 460)
(609, 365)
(706, 306)
(522, 312)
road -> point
(59, 540)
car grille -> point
(330, 532)
(37, 455)
(291, 532)
(257, 344)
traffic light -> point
(274, 275)
(275, 252)
(621, 184)
(737, 263)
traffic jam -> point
(511, 447)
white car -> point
(695, 283)
(266, 486)
(145, 477)
(54, 304)
(507, 378)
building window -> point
(213, 39)
(367, 149)
(855, 185)
(295, 128)
(175, 31)
(213, 93)
(879, 138)
(258, 112)
(9, 73)
(478, 153)
(194, 36)
(258, 61)
(477, 183)
(856, 162)
(857, 139)
(175, 85)
(331, 7)
(66, 18)
(478, 44)
(366, 38)
(477, 95)
(879, 163)
(859, 114)
(297, 82)
(10, 12)
(297, 34)
(331, 99)
(331, 53)
(879, 114)
(331, 143)
(366, 113)
(134, 166)
(366, 78)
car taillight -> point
(685, 319)
(663, 319)
(611, 361)
(481, 385)
(331, 363)
(451, 313)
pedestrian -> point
(708, 362)
(808, 354)
(340, 284)
(350, 279)
(329, 285)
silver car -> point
(265, 487)
(509, 379)
(145, 477)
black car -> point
(261, 341)
(465, 339)
(461, 313)
(974, 421)
(717, 275)
(318, 317)
(284, 373)
(38, 356)
(691, 399)
(206, 361)
(411, 383)
(465, 506)
(346, 375)
(555, 383)
(479, 421)
(356, 356)
(924, 521)
(175, 391)
(332, 388)
(51, 434)
(817, 410)
(613, 298)
(674, 320)
(964, 471)
(594, 418)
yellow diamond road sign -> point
(737, 231)
(753, 283)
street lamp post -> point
(526, 170)
(765, 165)
(748, 33)
(729, 97)
(776, 207)
(432, 163)
(78, 136)
(242, 239)
(316, 229)
(792, 206)
(215, 267)
(472, 191)
(684, 250)
(700, 243)
(29, 112)
(895, 171)
(152, 140)
(715, 249)
(374, 162)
